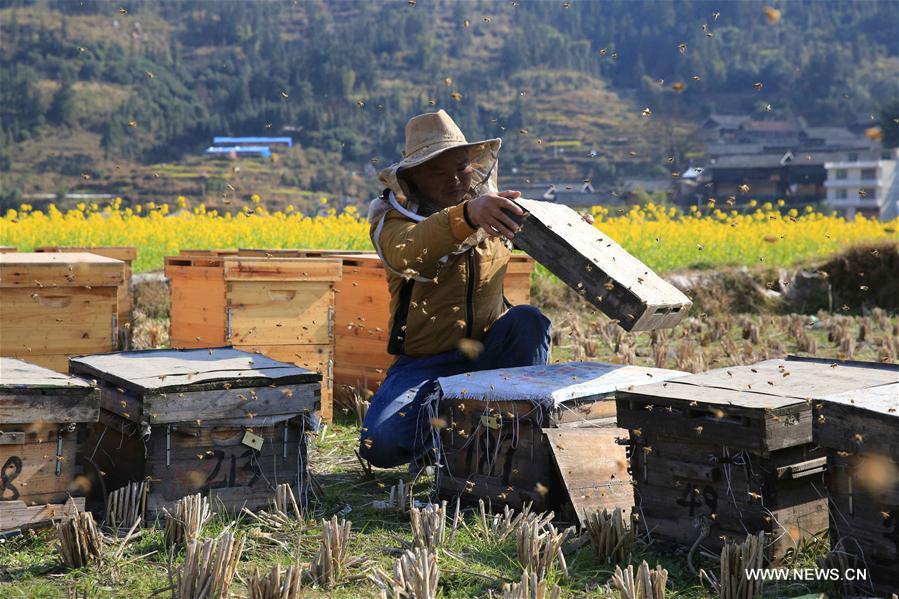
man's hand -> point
(486, 211)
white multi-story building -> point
(864, 183)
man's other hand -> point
(486, 212)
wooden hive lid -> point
(18, 374)
(308, 253)
(597, 246)
(520, 264)
(274, 268)
(251, 268)
(522, 257)
(158, 371)
(550, 385)
(216, 252)
(124, 253)
(361, 255)
(75, 269)
(283, 252)
(778, 386)
(30, 393)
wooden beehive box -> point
(280, 307)
(732, 449)
(361, 312)
(217, 420)
(540, 434)
(124, 300)
(57, 305)
(43, 415)
(599, 269)
(860, 430)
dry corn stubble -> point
(539, 547)
(611, 537)
(186, 520)
(125, 505)
(208, 569)
(79, 543)
(416, 574)
(736, 559)
(531, 587)
(332, 559)
(496, 528)
(276, 584)
(429, 525)
(646, 584)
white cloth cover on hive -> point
(883, 399)
(552, 384)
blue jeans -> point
(397, 426)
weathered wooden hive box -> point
(57, 305)
(123, 298)
(539, 434)
(279, 307)
(599, 269)
(217, 420)
(860, 430)
(731, 450)
(43, 421)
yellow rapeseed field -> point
(663, 237)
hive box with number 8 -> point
(43, 420)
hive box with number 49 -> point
(596, 267)
(44, 417)
(860, 430)
(732, 449)
(217, 421)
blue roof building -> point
(263, 151)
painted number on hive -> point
(691, 498)
(226, 473)
(11, 469)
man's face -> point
(444, 179)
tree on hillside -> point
(62, 107)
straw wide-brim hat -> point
(429, 135)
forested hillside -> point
(124, 96)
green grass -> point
(470, 567)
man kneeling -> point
(440, 230)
